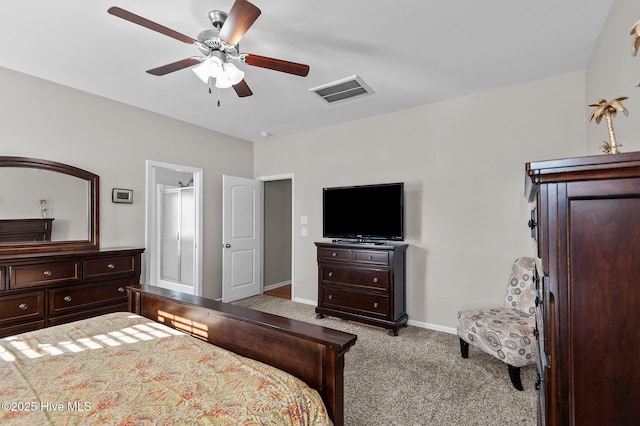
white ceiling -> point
(410, 53)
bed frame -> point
(310, 352)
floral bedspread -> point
(123, 369)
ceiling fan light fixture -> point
(228, 76)
(208, 68)
(215, 66)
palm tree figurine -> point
(608, 110)
(635, 43)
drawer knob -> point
(330, 296)
(121, 289)
(111, 266)
(67, 299)
(375, 280)
(330, 274)
(375, 305)
(334, 254)
(47, 273)
(23, 306)
(370, 257)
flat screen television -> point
(364, 212)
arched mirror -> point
(47, 206)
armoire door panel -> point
(604, 240)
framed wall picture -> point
(119, 195)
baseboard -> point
(434, 327)
(305, 301)
(420, 324)
(276, 285)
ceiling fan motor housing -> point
(210, 38)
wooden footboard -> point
(312, 353)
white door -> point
(241, 238)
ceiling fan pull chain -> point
(218, 96)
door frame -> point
(291, 177)
(151, 222)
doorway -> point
(174, 227)
(279, 235)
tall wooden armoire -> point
(586, 224)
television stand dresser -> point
(363, 283)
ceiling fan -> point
(219, 45)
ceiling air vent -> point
(342, 90)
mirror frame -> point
(92, 243)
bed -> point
(175, 359)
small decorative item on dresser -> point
(635, 43)
(43, 208)
(122, 195)
(608, 110)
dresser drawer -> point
(371, 257)
(23, 230)
(83, 297)
(371, 305)
(110, 266)
(22, 307)
(334, 255)
(25, 276)
(25, 225)
(374, 278)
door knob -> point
(227, 245)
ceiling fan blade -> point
(240, 18)
(277, 65)
(132, 17)
(242, 89)
(174, 66)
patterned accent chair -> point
(506, 333)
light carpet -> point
(418, 377)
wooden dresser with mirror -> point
(63, 276)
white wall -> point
(614, 72)
(462, 162)
(44, 120)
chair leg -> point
(514, 375)
(464, 349)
